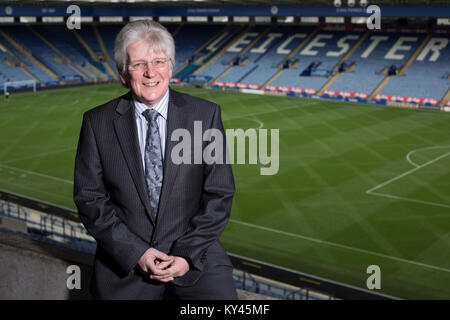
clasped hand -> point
(162, 267)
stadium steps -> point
(183, 70)
(223, 73)
(94, 72)
(188, 69)
(174, 34)
(180, 68)
(244, 51)
(379, 87)
(414, 55)
(91, 53)
(445, 98)
(328, 83)
(86, 75)
(78, 71)
(402, 69)
(247, 73)
(217, 36)
(105, 53)
(89, 68)
(47, 42)
(22, 67)
(300, 46)
(32, 76)
(5, 48)
(25, 52)
(251, 44)
(385, 70)
(350, 52)
(289, 56)
(110, 70)
(199, 60)
(276, 75)
(222, 51)
(101, 43)
(207, 43)
(345, 57)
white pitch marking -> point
(270, 111)
(261, 124)
(37, 174)
(386, 195)
(407, 173)
(340, 246)
(408, 156)
(38, 155)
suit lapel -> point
(125, 127)
(175, 120)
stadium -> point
(359, 91)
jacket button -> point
(154, 243)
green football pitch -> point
(358, 184)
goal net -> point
(19, 85)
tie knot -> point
(150, 114)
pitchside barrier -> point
(390, 100)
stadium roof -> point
(222, 2)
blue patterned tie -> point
(153, 159)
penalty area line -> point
(371, 191)
(407, 173)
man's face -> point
(147, 82)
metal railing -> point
(62, 226)
(49, 228)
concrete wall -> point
(36, 270)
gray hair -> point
(158, 37)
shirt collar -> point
(161, 106)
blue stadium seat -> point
(362, 72)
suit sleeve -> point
(216, 200)
(95, 208)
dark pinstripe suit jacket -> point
(113, 203)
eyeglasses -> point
(143, 65)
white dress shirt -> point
(142, 124)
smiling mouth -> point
(151, 84)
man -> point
(157, 223)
